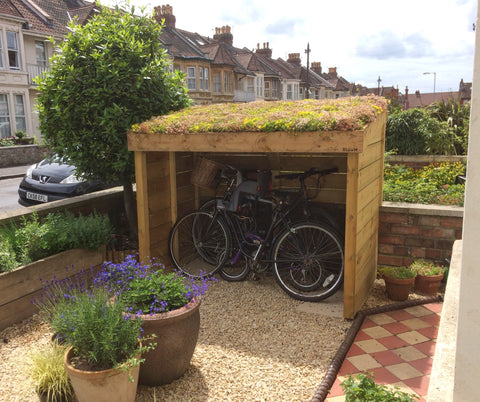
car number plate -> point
(37, 197)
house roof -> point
(179, 44)
(47, 17)
(418, 99)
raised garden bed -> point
(19, 287)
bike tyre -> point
(198, 244)
(309, 261)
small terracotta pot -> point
(176, 338)
(398, 289)
(102, 386)
(428, 284)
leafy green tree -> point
(415, 132)
(457, 117)
(107, 75)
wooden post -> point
(143, 209)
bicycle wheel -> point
(236, 268)
(308, 261)
(198, 244)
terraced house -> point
(25, 26)
(218, 71)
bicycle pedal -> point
(254, 276)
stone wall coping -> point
(426, 158)
(422, 209)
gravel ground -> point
(255, 344)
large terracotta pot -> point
(102, 386)
(428, 284)
(398, 289)
(176, 337)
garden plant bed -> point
(19, 287)
(250, 347)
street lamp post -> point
(434, 82)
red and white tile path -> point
(397, 347)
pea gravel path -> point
(255, 344)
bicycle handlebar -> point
(307, 173)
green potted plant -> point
(168, 305)
(104, 355)
(48, 373)
(398, 281)
(363, 388)
(429, 276)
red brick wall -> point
(414, 231)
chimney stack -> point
(316, 67)
(332, 71)
(294, 58)
(266, 51)
(407, 104)
(224, 35)
(165, 13)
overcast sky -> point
(364, 39)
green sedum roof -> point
(344, 114)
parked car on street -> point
(54, 179)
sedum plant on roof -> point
(345, 114)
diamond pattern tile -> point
(397, 347)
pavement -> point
(397, 347)
(13, 171)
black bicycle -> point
(253, 228)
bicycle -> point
(225, 236)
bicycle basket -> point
(206, 173)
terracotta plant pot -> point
(102, 386)
(398, 289)
(428, 284)
(176, 338)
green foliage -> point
(362, 388)
(47, 371)
(398, 272)
(107, 75)
(457, 118)
(35, 239)
(156, 289)
(7, 142)
(440, 129)
(434, 184)
(427, 268)
(96, 327)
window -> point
(267, 89)
(2, 63)
(20, 120)
(191, 79)
(227, 82)
(200, 78)
(13, 53)
(4, 117)
(176, 67)
(259, 86)
(41, 54)
(206, 79)
(289, 92)
(250, 85)
(274, 89)
(217, 83)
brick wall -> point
(409, 231)
(21, 155)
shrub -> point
(35, 239)
(434, 184)
(363, 388)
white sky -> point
(364, 39)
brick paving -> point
(397, 347)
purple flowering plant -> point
(148, 288)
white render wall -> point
(467, 357)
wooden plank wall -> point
(364, 197)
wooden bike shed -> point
(164, 163)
